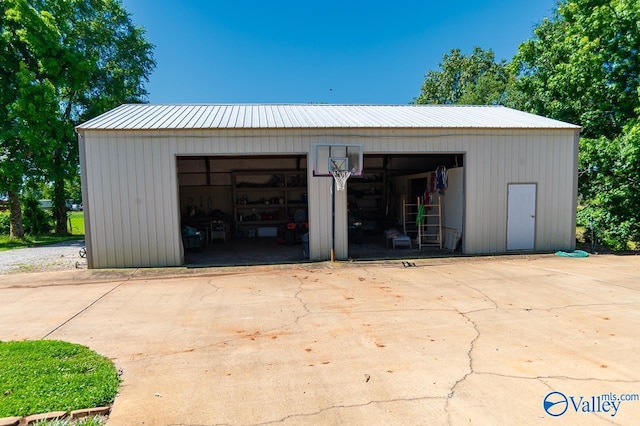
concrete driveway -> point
(447, 341)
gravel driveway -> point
(55, 257)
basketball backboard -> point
(341, 157)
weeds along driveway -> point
(449, 341)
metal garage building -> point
(144, 165)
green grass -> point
(48, 375)
(30, 241)
(76, 223)
(75, 226)
(87, 421)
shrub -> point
(35, 220)
(4, 223)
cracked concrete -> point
(450, 341)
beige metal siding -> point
(493, 162)
(319, 216)
(132, 191)
(131, 188)
(85, 196)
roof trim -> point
(300, 116)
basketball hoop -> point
(340, 176)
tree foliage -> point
(582, 66)
(470, 80)
(64, 61)
(26, 46)
(609, 182)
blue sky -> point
(343, 52)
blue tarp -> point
(576, 253)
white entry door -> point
(521, 216)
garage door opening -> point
(384, 206)
(243, 210)
(247, 210)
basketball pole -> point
(333, 219)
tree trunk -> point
(60, 207)
(16, 229)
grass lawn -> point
(76, 223)
(75, 226)
(48, 375)
(87, 421)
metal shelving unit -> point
(268, 199)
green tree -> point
(476, 79)
(107, 63)
(609, 182)
(27, 42)
(91, 59)
(583, 66)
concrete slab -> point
(449, 341)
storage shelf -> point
(286, 192)
(260, 189)
(260, 222)
(367, 194)
(260, 206)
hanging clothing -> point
(441, 179)
(432, 182)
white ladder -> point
(427, 230)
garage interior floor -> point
(265, 251)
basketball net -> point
(340, 176)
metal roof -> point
(276, 116)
